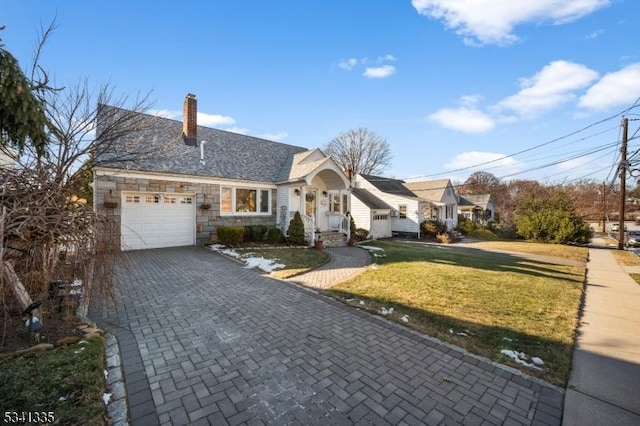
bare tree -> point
(48, 226)
(360, 150)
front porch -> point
(323, 204)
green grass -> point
(297, 260)
(626, 258)
(556, 250)
(59, 380)
(489, 296)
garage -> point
(380, 224)
(157, 220)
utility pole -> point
(623, 183)
(604, 207)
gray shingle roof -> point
(480, 200)
(432, 190)
(370, 200)
(390, 186)
(159, 147)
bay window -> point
(245, 200)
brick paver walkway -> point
(345, 263)
(205, 341)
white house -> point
(477, 208)
(172, 183)
(413, 202)
(371, 213)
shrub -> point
(483, 234)
(362, 234)
(275, 236)
(465, 225)
(258, 232)
(352, 228)
(296, 230)
(431, 228)
(230, 235)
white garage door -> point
(157, 220)
(380, 226)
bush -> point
(258, 232)
(362, 234)
(230, 235)
(431, 228)
(483, 234)
(465, 225)
(352, 228)
(275, 236)
(296, 230)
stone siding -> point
(109, 188)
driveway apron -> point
(206, 341)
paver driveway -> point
(205, 341)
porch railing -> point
(339, 222)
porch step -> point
(333, 238)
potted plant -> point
(319, 244)
(110, 201)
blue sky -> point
(501, 85)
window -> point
(345, 203)
(448, 214)
(264, 201)
(335, 202)
(402, 211)
(245, 200)
(152, 199)
(132, 199)
(380, 217)
(170, 200)
(225, 200)
(186, 200)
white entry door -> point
(157, 220)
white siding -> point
(361, 214)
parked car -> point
(633, 239)
(615, 227)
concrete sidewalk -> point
(604, 386)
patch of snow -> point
(404, 318)
(106, 397)
(373, 266)
(462, 334)
(62, 398)
(266, 265)
(79, 350)
(106, 374)
(349, 300)
(507, 339)
(224, 250)
(520, 358)
(537, 361)
(372, 248)
(385, 311)
(451, 331)
(83, 342)
(76, 283)
(362, 302)
(379, 255)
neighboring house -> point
(442, 200)
(371, 213)
(413, 202)
(477, 208)
(172, 183)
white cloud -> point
(485, 161)
(595, 34)
(554, 85)
(386, 58)
(379, 72)
(465, 119)
(277, 137)
(614, 89)
(493, 21)
(211, 120)
(207, 120)
(348, 64)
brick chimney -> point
(189, 120)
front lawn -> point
(64, 385)
(482, 301)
